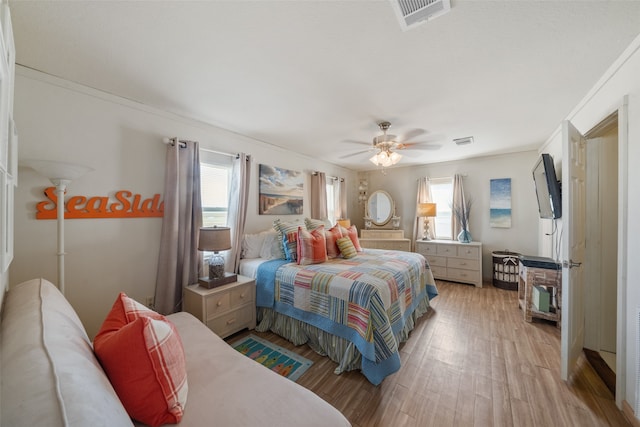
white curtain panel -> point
(423, 196)
(179, 260)
(459, 203)
(342, 196)
(237, 215)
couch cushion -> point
(50, 375)
(143, 357)
(228, 389)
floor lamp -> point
(60, 174)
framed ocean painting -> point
(281, 191)
(500, 203)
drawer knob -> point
(219, 303)
(242, 295)
(230, 321)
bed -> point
(356, 311)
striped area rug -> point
(280, 360)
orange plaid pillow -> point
(312, 248)
(142, 354)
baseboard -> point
(629, 414)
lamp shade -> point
(426, 209)
(214, 239)
(57, 171)
(346, 222)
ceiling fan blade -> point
(411, 134)
(346, 156)
(351, 141)
(418, 146)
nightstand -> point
(225, 309)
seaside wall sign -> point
(125, 205)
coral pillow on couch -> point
(141, 353)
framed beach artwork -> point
(500, 203)
(281, 191)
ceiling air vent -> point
(414, 12)
(463, 141)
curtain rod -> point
(329, 176)
(429, 178)
(183, 144)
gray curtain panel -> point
(423, 196)
(179, 260)
(459, 203)
(319, 195)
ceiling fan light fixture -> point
(385, 159)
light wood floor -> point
(471, 361)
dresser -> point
(225, 309)
(385, 239)
(453, 261)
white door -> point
(573, 247)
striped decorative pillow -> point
(331, 236)
(142, 355)
(288, 237)
(312, 248)
(352, 232)
(346, 247)
(312, 224)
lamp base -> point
(209, 283)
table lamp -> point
(344, 222)
(215, 239)
(426, 211)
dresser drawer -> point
(218, 303)
(241, 295)
(426, 249)
(464, 263)
(460, 275)
(446, 250)
(469, 252)
(439, 272)
(437, 261)
(232, 321)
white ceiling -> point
(311, 76)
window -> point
(333, 199)
(442, 196)
(215, 172)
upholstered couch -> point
(51, 377)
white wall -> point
(121, 140)
(402, 184)
(605, 98)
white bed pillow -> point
(271, 246)
(252, 245)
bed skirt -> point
(338, 349)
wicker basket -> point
(505, 270)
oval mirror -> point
(380, 207)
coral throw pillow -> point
(142, 354)
(331, 236)
(312, 248)
(352, 232)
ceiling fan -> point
(387, 145)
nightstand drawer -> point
(228, 323)
(218, 303)
(464, 263)
(243, 295)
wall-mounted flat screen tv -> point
(548, 188)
